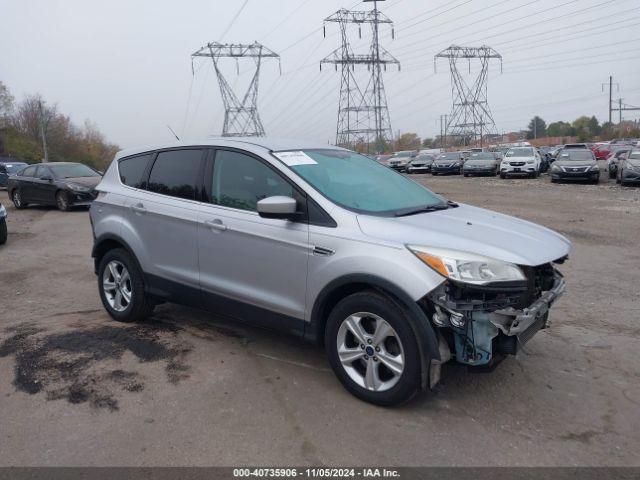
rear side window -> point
(240, 181)
(132, 168)
(42, 171)
(175, 173)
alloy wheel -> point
(17, 199)
(116, 285)
(63, 203)
(370, 351)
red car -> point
(601, 151)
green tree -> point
(537, 128)
(408, 141)
(428, 143)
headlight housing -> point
(78, 188)
(467, 267)
(3, 211)
(555, 168)
(595, 168)
(530, 162)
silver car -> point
(321, 242)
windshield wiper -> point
(425, 208)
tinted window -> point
(29, 172)
(240, 181)
(73, 170)
(132, 168)
(42, 171)
(175, 173)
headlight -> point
(555, 168)
(78, 188)
(457, 164)
(595, 168)
(3, 211)
(467, 267)
(530, 162)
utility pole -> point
(363, 115)
(611, 96)
(471, 117)
(620, 110)
(44, 124)
(624, 107)
(240, 117)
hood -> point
(474, 230)
(634, 161)
(442, 161)
(517, 159)
(575, 163)
(90, 182)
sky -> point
(126, 64)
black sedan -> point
(62, 184)
(575, 164)
(447, 163)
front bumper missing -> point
(485, 331)
(519, 323)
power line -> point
(233, 20)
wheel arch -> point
(107, 242)
(347, 285)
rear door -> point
(250, 260)
(26, 184)
(162, 220)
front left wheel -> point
(62, 201)
(373, 350)
(121, 287)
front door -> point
(44, 190)
(246, 260)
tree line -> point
(584, 128)
(24, 124)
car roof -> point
(268, 143)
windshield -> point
(358, 183)
(520, 152)
(73, 170)
(449, 156)
(634, 156)
(407, 153)
(14, 167)
(482, 156)
(577, 155)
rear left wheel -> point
(373, 349)
(16, 197)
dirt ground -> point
(191, 389)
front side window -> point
(358, 183)
(175, 173)
(240, 181)
(42, 171)
(29, 172)
(132, 168)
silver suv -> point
(326, 244)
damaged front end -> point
(478, 325)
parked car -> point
(420, 164)
(399, 160)
(8, 168)
(601, 150)
(3, 225)
(617, 152)
(63, 184)
(576, 164)
(484, 163)
(521, 161)
(553, 153)
(383, 159)
(447, 163)
(629, 168)
(391, 278)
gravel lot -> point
(192, 389)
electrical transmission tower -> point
(470, 118)
(240, 117)
(363, 115)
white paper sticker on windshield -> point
(295, 158)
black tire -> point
(618, 178)
(408, 384)
(3, 231)
(62, 201)
(16, 197)
(503, 175)
(434, 174)
(612, 174)
(466, 174)
(554, 180)
(140, 306)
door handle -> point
(138, 208)
(216, 225)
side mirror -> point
(277, 207)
